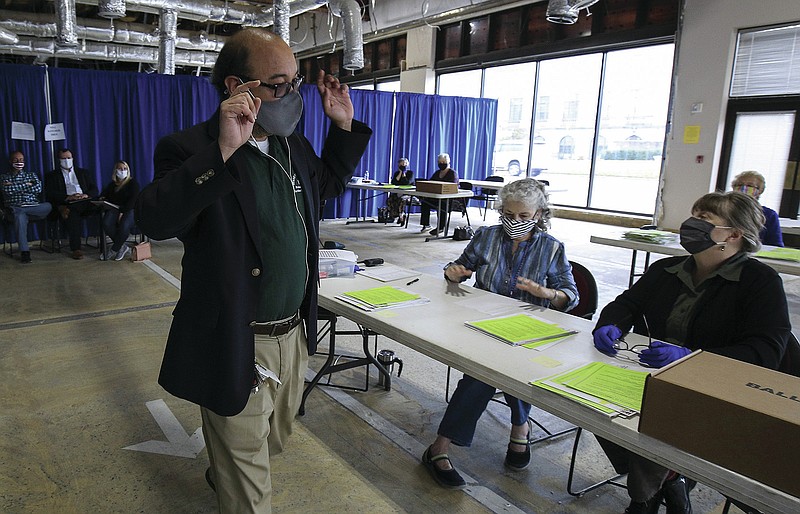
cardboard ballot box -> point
(742, 417)
(435, 186)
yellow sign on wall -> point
(691, 134)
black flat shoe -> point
(518, 461)
(448, 478)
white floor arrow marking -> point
(179, 443)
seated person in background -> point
(521, 260)
(717, 299)
(117, 223)
(396, 203)
(752, 183)
(443, 174)
(21, 200)
(68, 189)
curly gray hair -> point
(531, 193)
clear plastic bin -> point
(336, 268)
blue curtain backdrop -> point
(371, 107)
(115, 115)
(23, 100)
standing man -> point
(69, 190)
(242, 191)
(21, 198)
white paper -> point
(388, 272)
(23, 131)
(54, 132)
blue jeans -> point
(468, 403)
(117, 230)
(21, 217)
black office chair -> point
(488, 194)
(587, 291)
(460, 204)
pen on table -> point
(415, 280)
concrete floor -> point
(80, 348)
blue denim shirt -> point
(541, 259)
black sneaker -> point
(25, 257)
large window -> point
(513, 87)
(464, 83)
(548, 126)
(633, 125)
(570, 86)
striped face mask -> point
(516, 229)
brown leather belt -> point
(276, 328)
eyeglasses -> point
(621, 345)
(282, 89)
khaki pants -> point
(239, 447)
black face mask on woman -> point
(442, 166)
(696, 235)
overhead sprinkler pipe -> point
(353, 41)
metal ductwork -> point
(42, 26)
(280, 16)
(352, 40)
(110, 52)
(7, 37)
(566, 11)
(167, 27)
(111, 9)
(221, 11)
(65, 23)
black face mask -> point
(696, 235)
(442, 166)
(402, 167)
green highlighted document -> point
(783, 254)
(521, 330)
(385, 297)
(605, 387)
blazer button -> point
(255, 272)
(198, 180)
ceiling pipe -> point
(167, 27)
(111, 9)
(106, 52)
(7, 37)
(41, 25)
(65, 23)
(281, 19)
(352, 40)
(566, 12)
(217, 11)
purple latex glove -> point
(660, 354)
(604, 338)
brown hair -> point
(739, 211)
(234, 57)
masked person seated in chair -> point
(753, 183)
(69, 190)
(21, 190)
(396, 202)
(717, 299)
(521, 260)
(118, 222)
(444, 174)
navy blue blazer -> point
(210, 206)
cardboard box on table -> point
(435, 186)
(740, 416)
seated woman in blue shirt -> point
(521, 260)
(752, 183)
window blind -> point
(767, 62)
